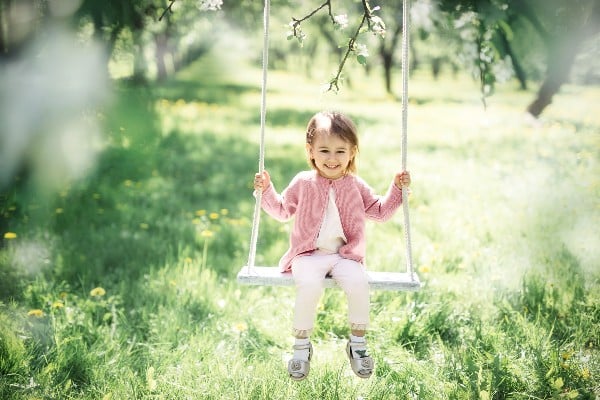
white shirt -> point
(331, 235)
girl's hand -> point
(402, 179)
(261, 182)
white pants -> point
(309, 274)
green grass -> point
(122, 285)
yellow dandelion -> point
(558, 383)
(144, 225)
(10, 235)
(188, 260)
(62, 295)
(567, 355)
(585, 374)
(213, 215)
(240, 327)
(152, 384)
(35, 313)
(97, 292)
(206, 233)
(59, 210)
(224, 211)
(424, 269)
(58, 304)
(572, 394)
(200, 213)
(236, 221)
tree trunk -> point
(160, 41)
(387, 58)
(559, 62)
(3, 28)
(386, 52)
(519, 71)
(561, 51)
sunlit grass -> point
(123, 284)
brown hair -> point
(333, 123)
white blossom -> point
(341, 20)
(210, 5)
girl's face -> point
(331, 155)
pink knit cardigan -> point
(306, 199)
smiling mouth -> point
(331, 166)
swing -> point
(251, 274)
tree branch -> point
(169, 8)
(334, 83)
(296, 22)
(366, 18)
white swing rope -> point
(405, 66)
(263, 112)
(261, 153)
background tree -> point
(562, 28)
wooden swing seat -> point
(378, 280)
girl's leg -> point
(352, 278)
(309, 273)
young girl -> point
(330, 204)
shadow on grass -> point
(150, 201)
(213, 92)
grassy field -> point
(122, 286)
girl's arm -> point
(279, 206)
(382, 208)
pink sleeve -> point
(380, 208)
(281, 206)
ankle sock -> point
(361, 352)
(357, 339)
(301, 354)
